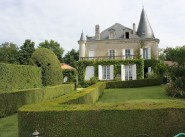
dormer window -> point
(127, 35)
(111, 33)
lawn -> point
(143, 94)
(9, 126)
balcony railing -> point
(109, 57)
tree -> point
(25, 52)
(8, 53)
(71, 58)
(53, 46)
(176, 87)
(50, 65)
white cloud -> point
(63, 20)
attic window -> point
(127, 35)
(111, 34)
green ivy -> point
(117, 67)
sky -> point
(64, 20)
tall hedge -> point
(16, 77)
(10, 102)
(50, 65)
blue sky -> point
(64, 20)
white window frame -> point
(128, 72)
(111, 53)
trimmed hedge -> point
(116, 120)
(10, 102)
(16, 77)
(50, 66)
(134, 83)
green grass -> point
(9, 126)
(132, 95)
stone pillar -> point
(134, 28)
(97, 32)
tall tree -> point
(71, 58)
(53, 46)
(8, 53)
(25, 52)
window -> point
(106, 72)
(145, 53)
(127, 53)
(127, 35)
(128, 72)
(111, 54)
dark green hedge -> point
(50, 66)
(16, 77)
(134, 83)
(99, 121)
(10, 102)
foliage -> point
(16, 77)
(25, 52)
(71, 75)
(117, 67)
(50, 65)
(53, 46)
(151, 75)
(8, 53)
(71, 58)
(10, 102)
(94, 120)
(176, 54)
(134, 83)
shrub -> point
(176, 88)
(151, 75)
(10, 102)
(16, 77)
(50, 65)
(134, 83)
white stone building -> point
(119, 43)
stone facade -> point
(119, 42)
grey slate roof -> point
(119, 32)
(82, 38)
(144, 29)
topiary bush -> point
(50, 66)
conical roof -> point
(144, 29)
(82, 38)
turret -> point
(81, 43)
(144, 29)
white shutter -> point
(108, 52)
(131, 53)
(141, 53)
(134, 74)
(100, 74)
(149, 53)
(123, 72)
(111, 72)
(149, 69)
(123, 53)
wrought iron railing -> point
(109, 57)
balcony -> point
(110, 57)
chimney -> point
(97, 32)
(134, 28)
